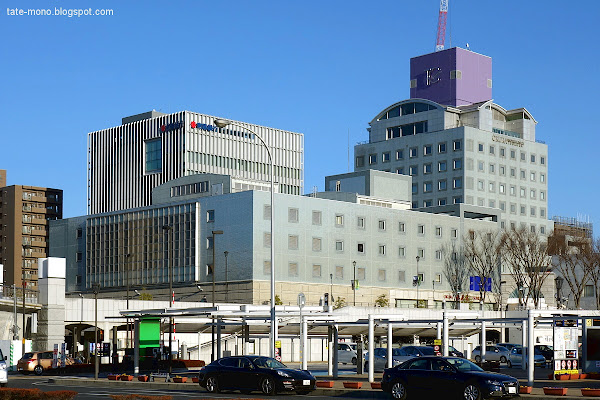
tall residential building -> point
(24, 215)
(126, 162)
(2, 178)
(458, 145)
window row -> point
(533, 228)
(427, 168)
(523, 174)
(413, 152)
(318, 271)
(512, 154)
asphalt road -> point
(88, 392)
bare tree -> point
(526, 255)
(574, 264)
(482, 257)
(590, 260)
(455, 269)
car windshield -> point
(397, 352)
(462, 364)
(26, 356)
(502, 348)
(352, 346)
(266, 362)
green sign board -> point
(149, 333)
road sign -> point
(475, 284)
(437, 342)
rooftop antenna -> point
(468, 48)
(348, 149)
(441, 29)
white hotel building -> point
(126, 162)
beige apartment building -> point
(24, 215)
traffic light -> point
(326, 299)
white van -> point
(347, 353)
(3, 370)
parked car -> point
(3, 370)
(254, 373)
(516, 357)
(509, 346)
(380, 360)
(492, 353)
(547, 351)
(452, 352)
(442, 377)
(347, 353)
(38, 362)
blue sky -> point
(323, 68)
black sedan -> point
(254, 373)
(446, 376)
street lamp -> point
(354, 282)
(418, 280)
(222, 123)
(96, 289)
(167, 229)
(214, 233)
(127, 268)
(331, 289)
(558, 281)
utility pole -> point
(354, 283)
(418, 281)
(15, 326)
(167, 229)
(214, 233)
(226, 253)
(23, 335)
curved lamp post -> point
(222, 123)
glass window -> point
(421, 229)
(360, 222)
(415, 188)
(399, 154)
(458, 163)
(442, 147)
(385, 157)
(442, 201)
(293, 269)
(339, 220)
(457, 183)
(542, 160)
(293, 242)
(480, 147)
(400, 170)
(427, 150)
(588, 291)
(438, 231)
(413, 152)
(413, 170)
(293, 215)
(153, 155)
(480, 165)
(360, 161)
(427, 187)
(339, 245)
(210, 216)
(492, 169)
(502, 152)
(316, 271)
(372, 159)
(522, 156)
(382, 249)
(454, 233)
(533, 158)
(427, 168)
(401, 276)
(492, 150)
(442, 167)
(267, 267)
(316, 217)
(381, 224)
(542, 178)
(360, 274)
(381, 275)
(402, 251)
(442, 184)
(360, 248)
(457, 145)
(401, 227)
(513, 154)
(316, 244)
(339, 272)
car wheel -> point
(38, 370)
(399, 390)
(212, 384)
(508, 364)
(477, 359)
(353, 360)
(472, 392)
(502, 359)
(267, 386)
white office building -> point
(126, 162)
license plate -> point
(512, 389)
(306, 382)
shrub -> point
(59, 395)
(20, 394)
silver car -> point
(347, 353)
(515, 359)
(492, 353)
(380, 359)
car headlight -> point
(493, 382)
(284, 374)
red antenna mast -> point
(441, 30)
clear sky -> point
(323, 68)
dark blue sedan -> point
(444, 377)
(254, 373)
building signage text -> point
(171, 127)
(507, 140)
(204, 127)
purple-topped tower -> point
(453, 77)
